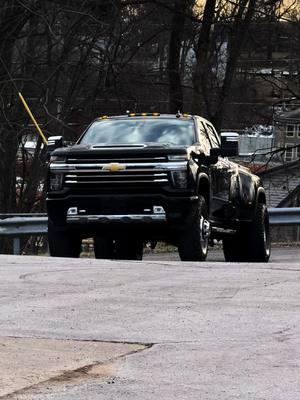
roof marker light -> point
(144, 114)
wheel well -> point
(203, 190)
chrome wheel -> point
(204, 233)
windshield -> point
(135, 131)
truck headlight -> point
(178, 157)
(60, 159)
(56, 181)
(180, 179)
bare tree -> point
(181, 9)
(76, 60)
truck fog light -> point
(180, 179)
(158, 210)
(72, 211)
(56, 181)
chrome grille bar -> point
(120, 160)
(153, 166)
(112, 182)
(114, 175)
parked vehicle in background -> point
(140, 177)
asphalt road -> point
(157, 329)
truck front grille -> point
(128, 176)
(117, 174)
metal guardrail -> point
(17, 225)
(29, 215)
(284, 216)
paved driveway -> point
(149, 330)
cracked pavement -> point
(86, 329)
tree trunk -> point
(175, 46)
(11, 23)
(201, 56)
(239, 30)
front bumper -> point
(122, 218)
(121, 212)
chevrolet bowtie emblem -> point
(114, 167)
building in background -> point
(287, 133)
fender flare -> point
(203, 187)
(260, 195)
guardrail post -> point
(16, 246)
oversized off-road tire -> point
(233, 248)
(103, 247)
(193, 242)
(252, 242)
(63, 243)
(128, 249)
(259, 246)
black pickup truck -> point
(148, 177)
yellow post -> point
(32, 118)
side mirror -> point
(202, 159)
(229, 144)
(54, 142)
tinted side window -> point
(213, 136)
(203, 138)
